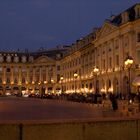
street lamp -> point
(75, 76)
(52, 81)
(96, 71)
(61, 80)
(128, 63)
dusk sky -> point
(31, 24)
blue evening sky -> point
(31, 24)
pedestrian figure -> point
(114, 102)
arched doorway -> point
(8, 90)
(1, 90)
(43, 89)
(50, 90)
(103, 90)
(15, 90)
(109, 85)
(115, 86)
(97, 86)
(125, 89)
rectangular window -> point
(0, 69)
(8, 70)
(104, 64)
(58, 68)
(44, 76)
(117, 60)
(110, 62)
(138, 37)
(138, 12)
(138, 56)
(58, 77)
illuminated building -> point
(106, 48)
(99, 62)
(24, 72)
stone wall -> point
(99, 130)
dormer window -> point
(125, 17)
(1, 59)
(31, 59)
(16, 59)
(137, 11)
(8, 58)
(23, 59)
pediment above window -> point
(106, 29)
(43, 59)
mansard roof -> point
(53, 54)
(117, 20)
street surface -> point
(18, 109)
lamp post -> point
(128, 63)
(61, 80)
(96, 71)
(75, 77)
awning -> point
(136, 81)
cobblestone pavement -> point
(27, 109)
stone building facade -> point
(94, 63)
(106, 48)
(26, 72)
